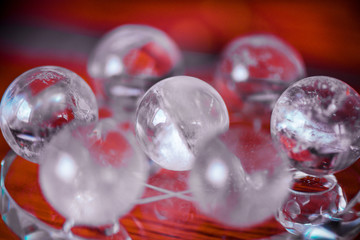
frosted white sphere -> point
(175, 116)
(238, 178)
(130, 59)
(316, 124)
(39, 103)
(92, 175)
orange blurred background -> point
(326, 33)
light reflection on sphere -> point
(39, 103)
(94, 174)
(238, 178)
(130, 59)
(175, 116)
(316, 124)
(256, 68)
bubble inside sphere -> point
(316, 123)
(40, 102)
(175, 116)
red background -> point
(326, 33)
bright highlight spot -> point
(24, 112)
(240, 73)
(217, 173)
(57, 97)
(66, 168)
(159, 117)
(114, 66)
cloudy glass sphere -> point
(40, 102)
(175, 116)
(257, 68)
(93, 174)
(130, 59)
(238, 178)
(316, 124)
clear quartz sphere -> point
(175, 116)
(93, 174)
(130, 59)
(238, 178)
(256, 69)
(40, 102)
(316, 124)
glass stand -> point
(313, 201)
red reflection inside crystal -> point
(42, 80)
(151, 59)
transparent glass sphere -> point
(175, 116)
(257, 68)
(130, 59)
(40, 102)
(316, 124)
(238, 178)
(93, 174)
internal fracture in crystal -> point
(316, 124)
(175, 116)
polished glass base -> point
(312, 201)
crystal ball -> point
(39, 103)
(316, 124)
(130, 59)
(238, 178)
(93, 174)
(175, 116)
(256, 69)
